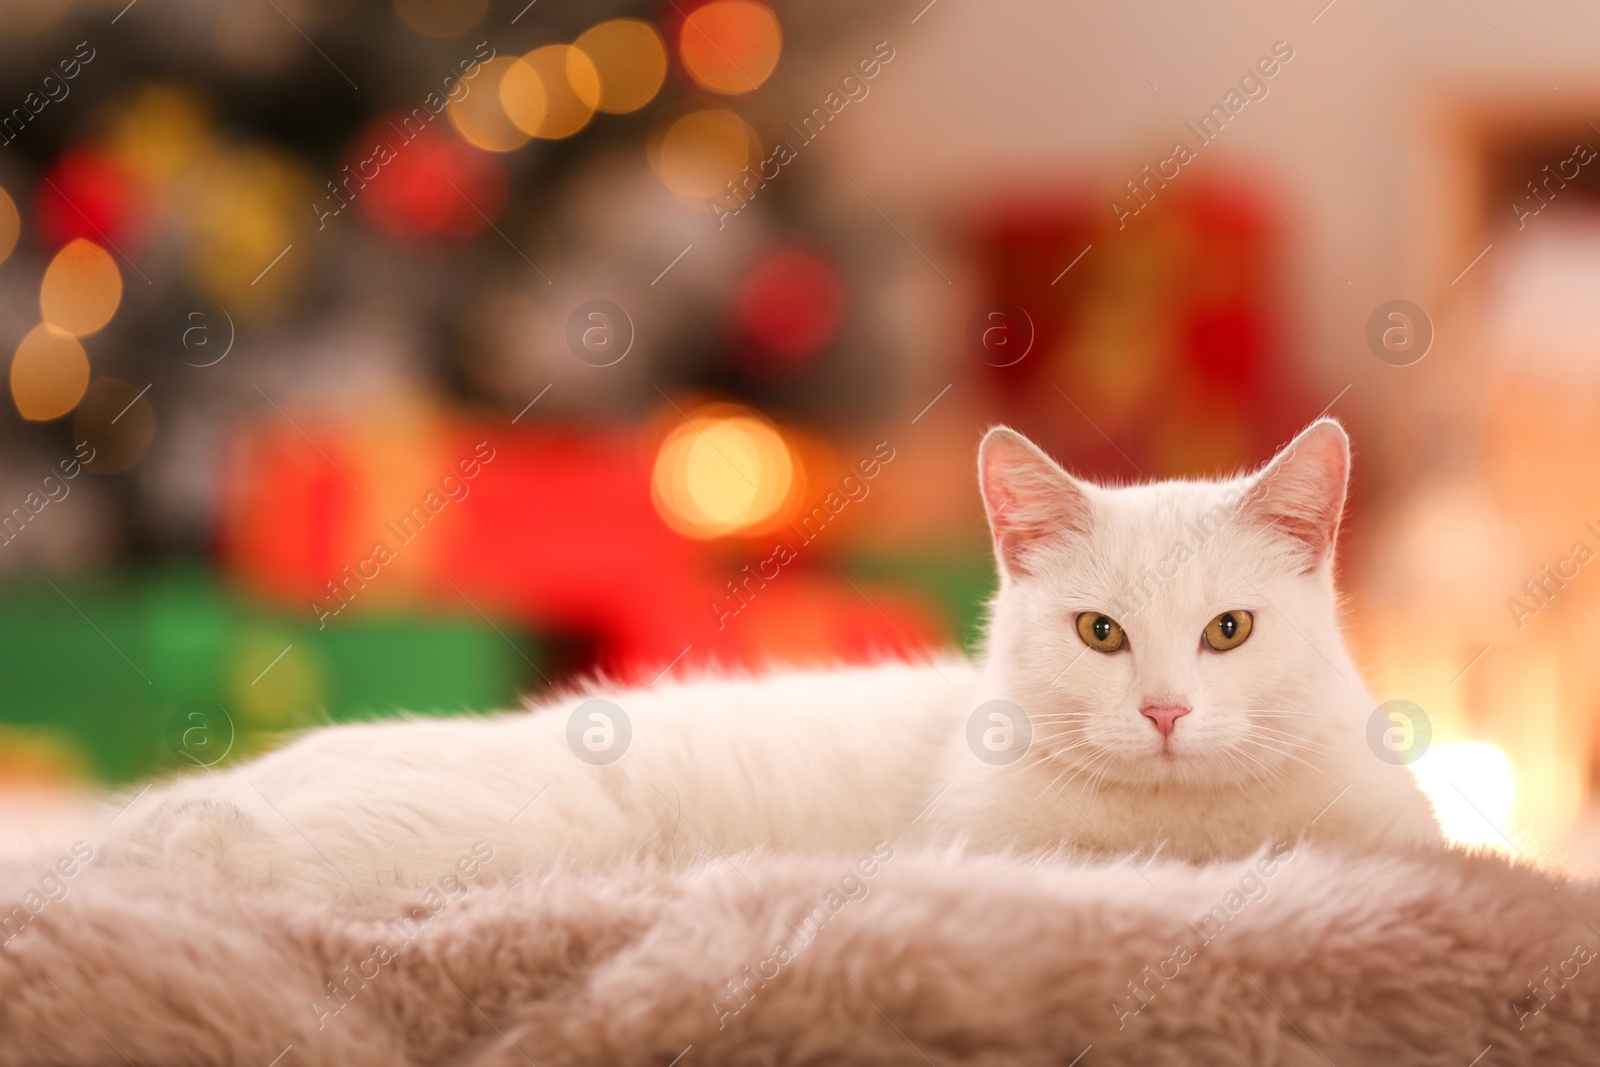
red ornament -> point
(86, 195)
(420, 181)
(790, 306)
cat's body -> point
(1156, 733)
(720, 766)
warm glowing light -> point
(1472, 787)
(724, 471)
(10, 225)
(731, 46)
(701, 152)
(441, 18)
(521, 94)
(631, 63)
(479, 116)
(81, 289)
(48, 373)
(246, 207)
(547, 92)
(432, 185)
(157, 132)
(117, 421)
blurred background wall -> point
(430, 356)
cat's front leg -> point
(225, 834)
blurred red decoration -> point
(1228, 345)
(1226, 336)
(557, 533)
(1170, 319)
(790, 306)
(424, 182)
(86, 195)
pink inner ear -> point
(1028, 498)
(1301, 493)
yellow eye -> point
(1228, 630)
(1100, 632)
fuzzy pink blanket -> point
(1299, 957)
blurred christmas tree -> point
(275, 273)
(364, 204)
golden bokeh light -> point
(631, 62)
(722, 472)
(49, 373)
(697, 154)
(731, 46)
(10, 225)
(245, 207)
(522, 96)
(116, 420)
(81, 289)
(441, 18)
(547, 92)
(158, 131)
(480, 118)
(1475, 811)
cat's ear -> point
(1028, 497)
(1300, 494)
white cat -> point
(1164, 672)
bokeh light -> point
(441, 18)
(81, 289)
(280, 698)
(246, 207)
(723, 471)
(697, 154)
(521, 95)
(10, 225)
(550, 92)
(41, 756)
(790, 305)
(49, 373)
(730, 46)
(630, 60)
(117, 421)
(431, 186)
(1472, 787)
(86, 194)
(157, 131)
(479, 116)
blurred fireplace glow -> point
(1472, 787)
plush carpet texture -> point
(1297, 957)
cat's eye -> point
(1228, 630)
(1100, 632)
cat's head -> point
(1174, 631)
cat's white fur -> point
(831, 761)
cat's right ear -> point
(1028, 497)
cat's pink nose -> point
(1165, 717)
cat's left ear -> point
(1300, 494)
